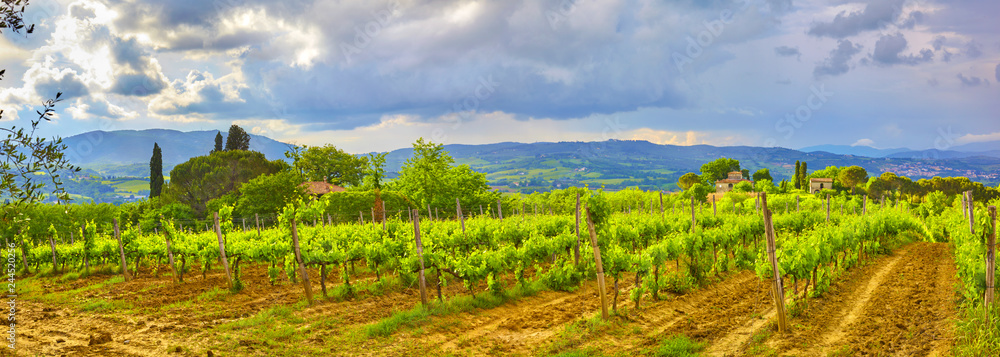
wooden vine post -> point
(458, 210)
(600, 266)
(990, 262)
(420, 253)
(222, 248)
(52, 244)
(798, 208)
(256, 217)
(170, 257)
(661, 205)
(864, 205)
(576, 249)
(302, 266)
(692, 215)
(714, 212)
(778, 289)
(383, 215)
(499, 211)
(121, 250)
(972, 214)
(965, 209)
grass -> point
(421, 315)
(678, 346)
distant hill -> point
(943, 154)
(539, 166)
(859, 150)
(127, 152)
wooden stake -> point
(373, 217)
(420, 253)
(778, 289)
(991, 261)
(578, 208)
(499, 211)
(121, 250)
(827, 209)
(461, 218)
(383, 215)
(429, 213)
(298, 259)
(361, 218)
(222, 247)
(256, 217)
(170, 256)
(600, 266)
(798, 207)
(576, 249)
(714, 212)
(864, 205)
(972, 214)
(55, 265)
(692, 215)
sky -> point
(374, 75)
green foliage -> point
(719, 169)
(743, 186)
(204, 178)
(699, 191)
(798, 174)
(329, 164)
(156, 172)
(852, 176)
(688, 179)
(762, 174)
(375, 172)
(268, 194)
(428, 178)
(218, 143)
(238, 139)
(679, 346)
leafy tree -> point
(699, 191)
(375, 172)
(746, 173)
(429, 178)
(156, 172)
(798, 173)
(719, 169)
(329, 164)
(766, 185)
(204, 178)
(218, 142)
(852, 176)
(762, 174)
(687, 180)
(268, 194)
(743, 186)
(238, 139)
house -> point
(319, 188)
(819, 184)
(727, 184)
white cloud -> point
(977, 138)
(864, 142)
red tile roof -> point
(821, 179)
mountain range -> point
(529, 166)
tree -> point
(852, 176)
(687, 180)
(766, 185)
(719, 169)
(375, 172)
(238, 139)
(699, 191)
(798, 173)
(803, 182)
(204, 178)
(428, 178)
(268, 194)
(745, 173)
(743, 186)
(218, 142)
(156, 172)
(329, 164)
(762, 174)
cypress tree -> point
(218, 142)
(795, 179)
(805, 172)
(238, 139)
(156, 172)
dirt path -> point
(901, 305)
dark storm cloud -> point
(877, 14)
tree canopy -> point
(238, 139)
(852, 176)
(429, 178)
(218, 142)
(204, 178)
(329, 164)
(688, 179)
(719, 169)
(762, 174)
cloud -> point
(864, 142)
(977, 138)
(888, 49)
(98, 107)
(972, 81)
(786, 51)
(836, 64)
(973, 50)
(877, 14)
(997, 74)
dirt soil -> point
(902, 304)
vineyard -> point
(659, 279)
